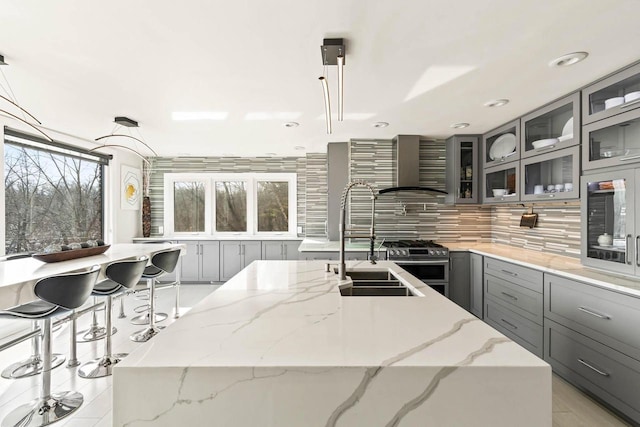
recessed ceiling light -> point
(460, 125)
(300, 147)
(496, 103)
(199, 115)
(291, 124)
(568, 59)
(380, 124)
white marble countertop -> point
(568, 267)
(323, 245)
(211, 237)
(280, 334)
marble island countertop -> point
(323, 245)
(278, 345)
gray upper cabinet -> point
(501, 145)
(552, 127)
(459, 278)
(501, 183)
(236, 255)
(614, 141)
(611, 96)
(551, 176)
(463, 169)
(201, 262)
(280, 250)
(476, 297)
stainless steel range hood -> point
(407, 156)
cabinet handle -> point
(510, 324)
(198, 249)
(548, 147)
(239, 249)
(509, 296)
(593, 368)
(509, 272)
(629, 104)
(626, 249)
(243, 250)
(637, 251)
(624, 159)
(594, 313)
(285, 251)
(545, 196)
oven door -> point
(433, 273)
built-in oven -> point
(423, 259)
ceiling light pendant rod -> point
(340, 59)
(21, 109)
(128, 136)
(327, 107)
(27, 123)
(126, 148)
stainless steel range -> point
(424, 259)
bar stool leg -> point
(95, 331)
(32, 365)
(73, 354)
(102, 366)
(122, 315)
(177, 313)
(151, 330)
(50, 407)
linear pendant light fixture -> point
(125, 122)
(333, 53)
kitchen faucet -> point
(343, 226)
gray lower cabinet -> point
(236, 255)
(280, 250)
(476, 292)
(513, 302)
(459, 278)
(201, 263)
(335, 256)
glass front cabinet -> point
(611, 221)
(551, 176)
(614, 141)
(552, 127)
(462, 169)
(501, 183)
(611, 96)
(501, 145)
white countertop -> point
(211, 237)
(323, 245)
(568, 267)
(280, 334)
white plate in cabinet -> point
(610, 375)
(606, 316)
(559, 120)
(618, 85)
(523, 331)
(502, 177)
(501, 136)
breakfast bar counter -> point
(278, 345)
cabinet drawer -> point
(521, 300)
(610, 375)
(521, 330)
(523, 276)
(606, 316)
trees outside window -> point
(50, 199)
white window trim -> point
(209, 179)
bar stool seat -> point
(121, 275)
(59, 295)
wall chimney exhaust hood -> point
(407, 156)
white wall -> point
(120, 225)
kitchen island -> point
(278, 345)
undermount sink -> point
(374, 284)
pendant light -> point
(122, 123)
(333, 53)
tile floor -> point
(571, 408)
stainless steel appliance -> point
(424, 259)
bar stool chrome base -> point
(44, 412)
(146, 334)
(94, 333)
(100, 367)
(143, 319)
(31, 366)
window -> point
(243, 203)
(53, 196)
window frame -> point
(210, 180)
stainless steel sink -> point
(376, 291)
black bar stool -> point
(161, 263)
(121, 275)
(58, 295)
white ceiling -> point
(77, 64)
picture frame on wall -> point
(130, 188)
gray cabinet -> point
(459, 278)
(201, 263)
(236, 255)
(623, 85)
(319, 256)
(612, 142)
(463, 169)
(476, 297)
(513, 302)
(591, 340)
(280, 250)
(503, 179)
(551, 176)
(501, 145)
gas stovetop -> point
(415, 249)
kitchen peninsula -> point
(278, 345)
